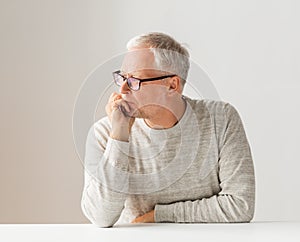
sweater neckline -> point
(174, 129)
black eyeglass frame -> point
(140, 80)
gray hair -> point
(169, 55)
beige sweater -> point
(198, 171)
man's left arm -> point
(236, 200)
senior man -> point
(160, 156)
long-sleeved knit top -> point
(199, 171)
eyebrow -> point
(128, 73)
(135, 73)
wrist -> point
(120, 135)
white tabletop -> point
(167, 232)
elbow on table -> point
(240, 217)
(97, 220)
(241, 209)
(245, 218)
(102, 224)
(100, 221)
(245, 214)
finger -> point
(111, 99)
(124, 104)
(120, 108)
(115, 104)
(115, 96)
(136, 221)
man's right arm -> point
(106, 159)
(102, 198)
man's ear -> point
(174, 84)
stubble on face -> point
(140, 63)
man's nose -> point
(124, 88)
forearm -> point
(103, 196)
(216, 209)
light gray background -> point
(249, 48)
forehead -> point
(136, 60)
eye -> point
(118, 79)
(134, 83)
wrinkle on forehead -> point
(137, 60)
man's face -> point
(140, 63)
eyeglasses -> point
(133, 82)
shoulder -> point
(100, 129)
(212, 106)
(103, 124)
(219, 112)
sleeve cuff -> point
(164, 213)
(117, 153)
